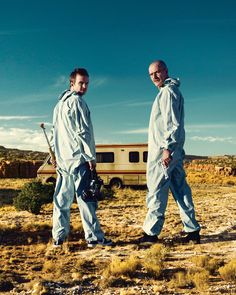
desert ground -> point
(30, 265)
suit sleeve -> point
(169, 107)
(84, 130)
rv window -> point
(134, 157)
(145, 155)
(106, 157)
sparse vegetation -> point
(181, 280)
(28, 263)
(153, 260)
(117, 267)
(33, 195)
(207, 262)
(200, 279)
(228, 272)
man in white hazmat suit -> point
(74, 147)
(165, 158)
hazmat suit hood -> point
(172, 82)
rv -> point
(117, 164)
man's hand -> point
(166, 158)
(92, 165)
(53, 161)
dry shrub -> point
(153, 260)
(228, 272)
(208, 263)
(126, 267)
(180, 280)
(118, 268)
(200, 278)
(194, 277)
(200, 261)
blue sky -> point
(41, 42)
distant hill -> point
(16, 154)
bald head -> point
(160, 63)
(158, 72)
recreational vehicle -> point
(117, 164)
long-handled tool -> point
(52, 155)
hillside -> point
(16, 154)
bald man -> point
(165, 158)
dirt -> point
(30, 265)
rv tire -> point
(116, 183)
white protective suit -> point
(166, 131)
(73, 144)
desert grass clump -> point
(199, 278)
(228, 271)
(118, 271)
(207, 262)
(180, 280)
(153, 260)
(119, 268)
(126, 267)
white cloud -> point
(23, 139)
(9, 118)
(213, 139)
(134, 131)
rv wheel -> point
(116, 183)
(51, 180)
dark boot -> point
(148, 239)
(192, 237)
